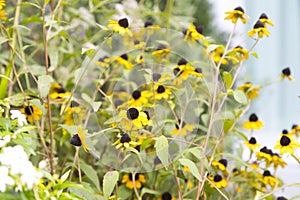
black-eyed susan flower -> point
(134, 118)
(238, 53)
(254, 165)
(125, 141)
(58, 92)
(2, 4)
(268, 179)
(265, 154)
(79, 138)
(286, 133)
(166, 196)
(149, 24)
(286, 73)
(253, 123)
(32, 113)
(193, 33)
(139, 179)
(217, 181)
(259, 29)
(281, 198)
(156, 77)
(161, 51)
(278, 161)
(252, 144)
(120, 26)
(217, 55)
(139, 98)
(74, 114)
(286, 145)
(123, 60)
(220, 164)
(237, 14)
(3, 15)
(265, 20)
(104, 61)
(161, 92)
(182, 128)
(295, 130)
(250, 90)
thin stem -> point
(134, 187)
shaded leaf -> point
(192, 167)
(109, 181)
(162, 149)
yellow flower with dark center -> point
(254, 165)
(183, 70)
(79, 138)
(217, 181)
(278, 161)
(138, 44)
(3, 15)
(286, 73)
(32, 113)
(150, 27)
(161, 51)
(220, 165)
(265, 20)
(58, 92)
(134, 118)
(268, 179)
(236, 14)
(120, 26)
(193, 33)
(74, 114)
(123, 60)
(265, 154)
(139, 98)
(166, 196)
(238, 54)
(161, 92)
(286, 145)
(253, 123)
(252, 144)
(250, 90)
(259, 29)
(2, 4)
(140, 59)
(104, 61)
(181, 128)
(286, 133)
(217, 55)
(139, 180)
(296, 130)
(125, 141)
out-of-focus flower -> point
(79, 138)
(3, 15)
(252, 144)
(120, 26)
(161, 92)
(134, 118)
(236, 14)
(123, 60)
(16, 114)
(58, 92)
(218, 181)
(286, 145)
(259, 29)
(5, 178)
(220, 165)
(161, 51)
(4, 140)
(125, 141)
(265, 20)
(268, 179)
(139, 98)
(250, 90)
(139, 180)
(166, 196)
(193, 33)
(253, 123)
(286, 73)
(32, 113)
(265, 154)
(181, 128)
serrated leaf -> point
(240, 96)
(192, 167)
(227, 77)
(162, 149)
(44, 83)
(109, 181)
(91, 174)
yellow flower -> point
(120, 26)
(265, 154)
(286, 73)
(236, 14)
(217, 181)
(265, 20)
(3, 15)
(149, 27)
(166, 196)
(123, 60)
(134, 118)
(295, 130)
(218, 53)
(181, 128)
(2, 4)
(238, 54)
(278, 161)
(193, 33)
(260, 29)
(139, 98)
(161, 92)
(104, 61)
(220, 165)
(253, 123)
(161, 51)
(250, 90)
(139, 180)
(252, 144)
(74, 114)
(58, 92)
(286, 145)
(268, 179)
(32, 113)
(125, 141)
(79, 138)
(254, 165)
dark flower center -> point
(132, 113)
(148, 23)
(147, 113)
(286, 71)
(123, 22)
(156, 76)
(266, 173)
(138, 148)
(125, 138)
(124, 56)
(177, 125)
(281, 198)
(200, 29)
(294, 126)
(285, 141)
(103, 58)
(176, 71)
(161, 89)
(28, 110)
(252, 140)
(217, 178)
(161, 47)
(285, 131)
(118, 102)
(136, 177)
(239, 9)
(253, 118)
(136, 42)
(136, 94)
(198, 70)
(75, 140)
(263, 16)
(224, 162)
(166, 196)
(266, 150)
(258, 24)
(182, 61)
(60, 90)
(74, 104)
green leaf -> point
(212, 47)
(44, 83)
(2, 40)
(109, 181)
(149, 191)
(162, 149)
(227, 77)
(227, 125)
(240, 96)
(91, 174)
(192, 166)
(65, 176)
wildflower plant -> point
(101, 106)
